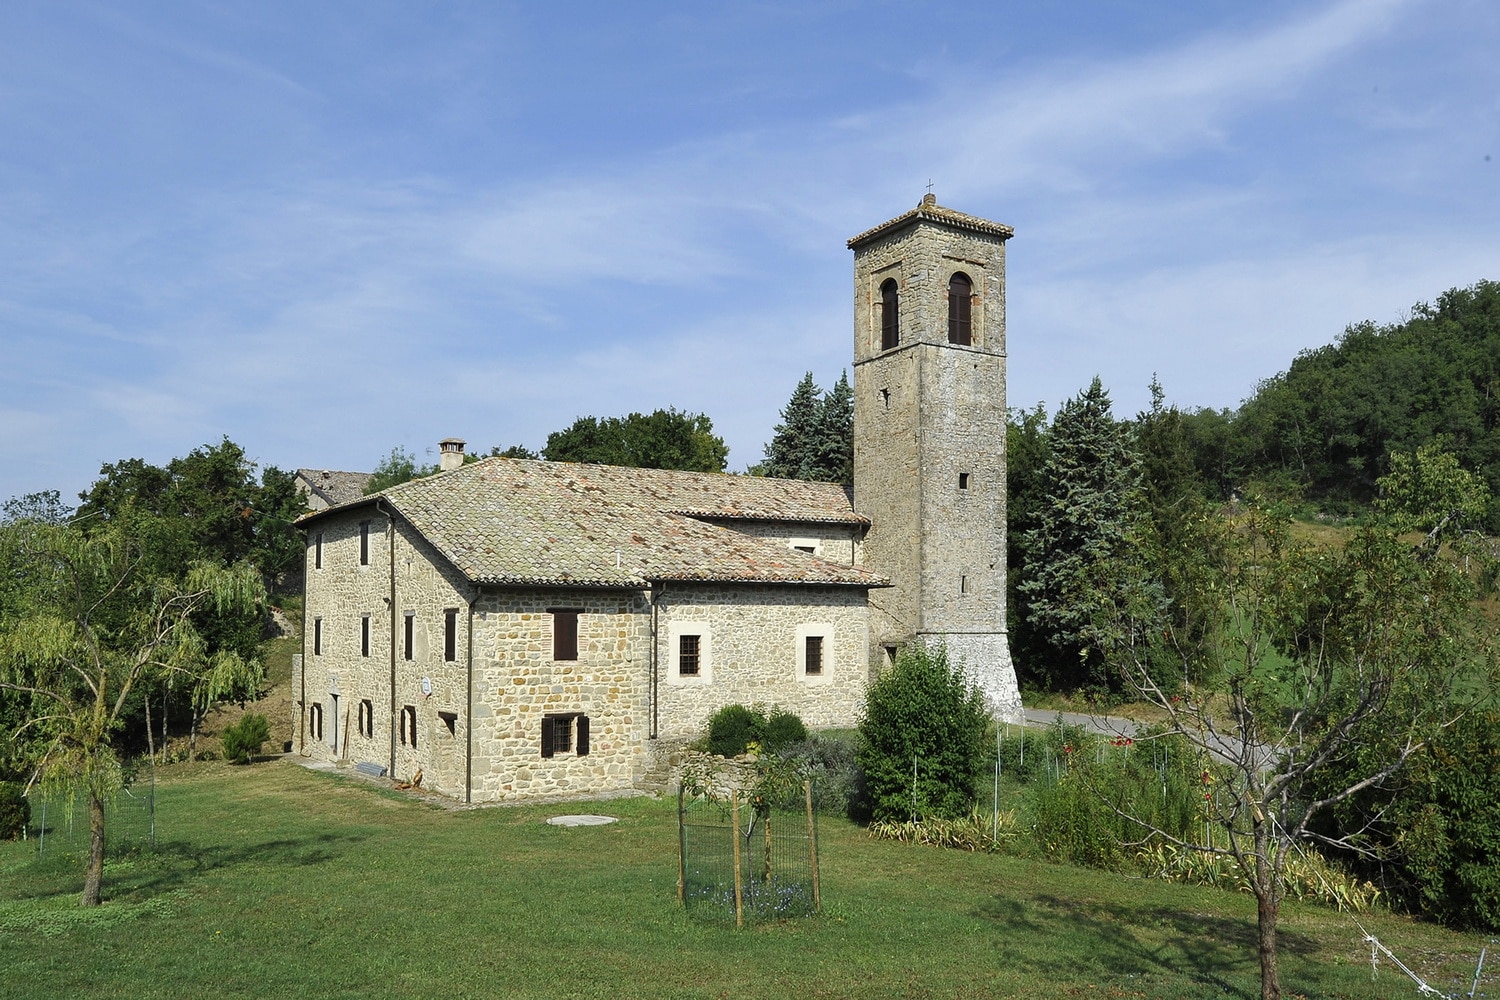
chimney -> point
(452, 454)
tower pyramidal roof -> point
(928, 210)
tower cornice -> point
(930, 211)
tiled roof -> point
(929, 210)
(516, 521)
(334, 488)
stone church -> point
(517, 629)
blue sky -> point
(327, 229)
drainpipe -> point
(655, 655)
(469, 708)
(390, 532)
(302, 679)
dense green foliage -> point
(1091, 507)
(815, 439)
(733, 728)
(922, 738)
(664, 439)
(15, 810)
(400, 466)
(243, 740)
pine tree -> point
(835, 454)
(793, 451)
(1080, 551)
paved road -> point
(1107, 724)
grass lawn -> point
(274, 881)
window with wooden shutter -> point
(581, 728)
(890, 315)
(564, 633)
(565, 734)
(960, 301)
(549, 735)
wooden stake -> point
(681, 848)
(812, 844)
(739, 896)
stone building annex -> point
(515, 629)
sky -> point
(327, 230)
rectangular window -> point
(318, 551)
(565, 734)
(408, 625)
(366, 717)
(409, 726)
(364, 635)
(315, 721)
(317, 636)
(450, 635)
(564, 633)
(688, 662)
(450, 721)
(963, 480)
(814, 655)
(364, 543)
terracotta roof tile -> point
(929, 210)
(518, 521)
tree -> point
(46, 507)
(1077, 553)
(95, 621)
(815, 439)
(1322, 646)
(922, 738)
(400, 466)
(664, 439)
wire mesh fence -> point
(60, 821)
(748, 857)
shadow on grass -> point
(135, 874)
(1129, 940)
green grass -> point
(272, 881)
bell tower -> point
(929, 437)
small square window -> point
(565, 734)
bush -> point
(838, 782)
(922, 711)
(243, 740)
(15, 811)
(733, 728)
(782, 729)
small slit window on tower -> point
(318, 551)
(364, 543)
(449, 721)
(409, 726)
(963, 480)
(366, 717)
(364, 635)
(315, 721)
(960, 303)
(408, 626)
(890, 315)
(317, 636)
(450, 635)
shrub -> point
(922, 711)
(781, 730)
(15, 811)
(733, 728)
(243, 740)
(838, 782)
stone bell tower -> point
(929, 437)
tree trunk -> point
(150, 737)
(93, 878)
(1267, 908)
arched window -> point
(890, 315)
(960, 300)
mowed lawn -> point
(273, 881)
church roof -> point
(928, 210)
(334, 488)
(525, 522)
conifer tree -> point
(793, 451)
(1079, 549)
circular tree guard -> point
(582, 820)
